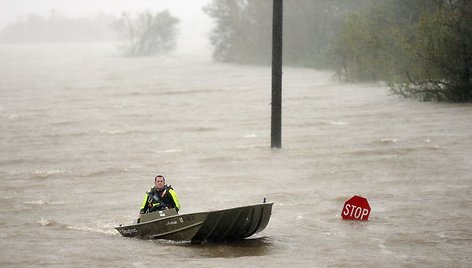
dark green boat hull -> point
(213, 226)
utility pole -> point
(276, 120)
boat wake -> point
(94, 229)
(102, 229)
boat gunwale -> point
(189, 214)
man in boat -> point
(160, 197)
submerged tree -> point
(442, 53)
(243, 29)
(421, 48)
(147, 34)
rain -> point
(98, 98)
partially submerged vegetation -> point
(147, 33)
(143, 34)
(421, 48)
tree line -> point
(145, 33)
(421, 48)
(58, 29)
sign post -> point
(276, 121)
(356, 208)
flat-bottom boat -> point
(214, 226)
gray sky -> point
(193, 22)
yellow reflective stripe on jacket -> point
(175, 197)
(143, 205)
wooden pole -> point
(276, 121)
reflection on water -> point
(252, 247)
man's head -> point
(159, 181)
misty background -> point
(421, 49)
(90, 21)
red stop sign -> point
(356, 208)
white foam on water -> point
(94, 229)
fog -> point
(194, 24)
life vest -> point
(160, 199)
